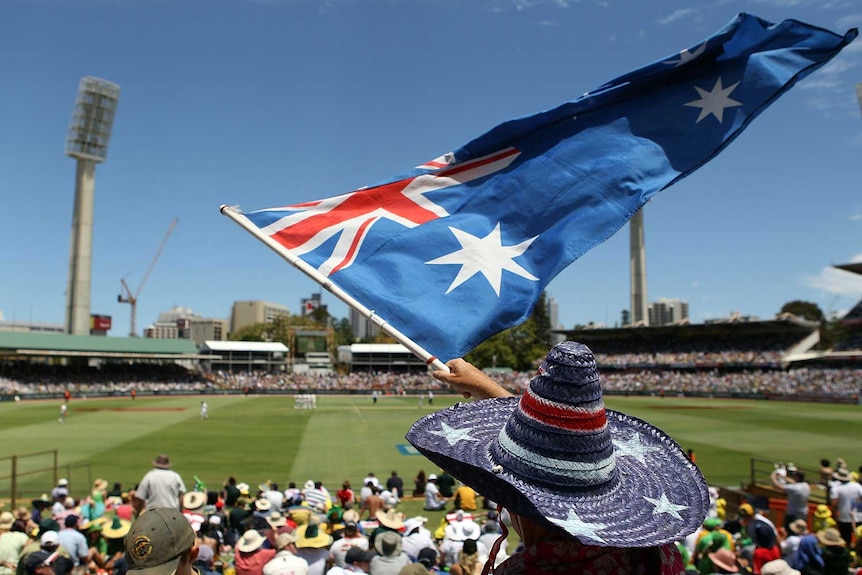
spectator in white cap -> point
(61, 490)
(433, 501)
(416, 537)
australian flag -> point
(460, 248)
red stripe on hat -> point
(571, 419)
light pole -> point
(87, 142)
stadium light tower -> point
(637, 265)
(87, 142)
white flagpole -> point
(236, 215)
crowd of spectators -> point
(823, 382)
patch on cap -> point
(141, 547)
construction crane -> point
(131, 298)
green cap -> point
(156, 540)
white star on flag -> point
(632, 447)
(573, 524)
(453, 435)
(714, 102)
(663, 505)
(686, 56)
(487, 256)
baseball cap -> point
(36, 559)
(156, 541)
(432, 477)
(427, 556)
(355, 554)
(49, 539)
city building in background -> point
(208, 329)
(668, 312)
(172, 324)
(250, 312)
(308, 305)
(363, 328)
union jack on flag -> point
(460, 248)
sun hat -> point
(822, 512)
(831, 537)
(350, 515)
(250, 541)
(6, 521)
(842, 475)
(100, 484)
(777, 567)
(432, 477)
(391, 519)
(49, 539)
(94, 524)
(117, 529)
(413, 523)
(63, 482)
(312, 536)
(243, 488)
(194, 500)
(711, 523)
(162, 461)
(388, 544)
(745, 510)
(276, 520)
(214, 520)
(156, 541)
(262, 506)
(555, 455)
(300, 514)
(724, 558)
(308, 484)
(282, 540)
(798, 526)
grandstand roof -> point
(64, 345)
(786, 323)
(378, 348)
(266, 346)
(855, 267)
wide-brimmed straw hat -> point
(842, 475)
(100, 484)
(388, 544)
(831, 537)
(724, 558)
(391, 519)
(556, 456)
(778, 567)
(6, 521)
(117, 529)
(312, 536)
(798, 526)
(162, 461)
(194, 500)
(250, 540)
(276, 520)
(822, 512)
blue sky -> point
(264, 103)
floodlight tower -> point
(87, 142)
(637, 265)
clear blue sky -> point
(274, 102)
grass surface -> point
(265, 438)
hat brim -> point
(659, 496)
(167, 568)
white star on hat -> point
(453, 435)
(573, 524)
(632, 447)
(663, 505)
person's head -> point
(564, 465)
(40, 563)
(318, 484)
(49, 541)
(824, 463)
(470, 547)
(71, 521)
(394, 473)
(746, 513)
(285, 541)
(359, 557)
(160, 542)
(427, 557)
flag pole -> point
(236, 215)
